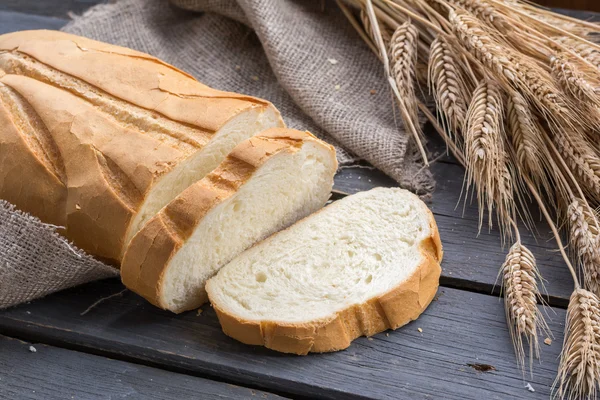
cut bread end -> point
(364, 264)
(243, 126)
(266, 183)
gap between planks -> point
(36, 338)
(40, 371)
(130, 329)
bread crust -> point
(147, 258)
(391, 310)
(87, 129)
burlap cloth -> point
(302, 55)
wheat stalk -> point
(380, 45)
(549, 22)
(579, 370)
(385, 32)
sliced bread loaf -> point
(98, 138)
(265, 184)
(366, 263)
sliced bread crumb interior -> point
(267, 183)
(357, 260)
(194, 168)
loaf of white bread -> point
(97, 138)
(366, 263)
(117, 147)
(267, 182)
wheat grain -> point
(403, 59)
(513, 31)
(579, 369)
(448, 86)
(520, 275)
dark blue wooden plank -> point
(11, 21)
(50, 8)
(36, 371)
(458, 329)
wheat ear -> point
(403, 57)
(486, 12)
(573, 80)
(520, 275)
(524, 131)
(579, 369)
(584, 238)
(547, 21)
(581, 159)
(512, 68)
(584, 50)
(379, 43)
(448, 86)
(485, 157)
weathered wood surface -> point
(11, 21)
(458, 329)
(50, 8)
(53, 373)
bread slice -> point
(363, 264)
(265, 184)
(98, 138)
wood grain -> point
(15, 21)
(458, 329)
(50, 8)
(54, 373)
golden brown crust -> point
(132, 76)
(390, 310)
(147, 257)
(87, 129)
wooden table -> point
(126, 348)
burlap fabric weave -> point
(35, 260)
(302, 55)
